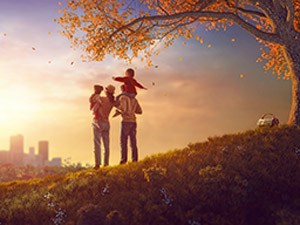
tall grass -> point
(251, 178)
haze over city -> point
(194, 90)
(36, 156)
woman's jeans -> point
(101, 131)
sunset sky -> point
(195, 92)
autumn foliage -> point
(126, 29)
(129, 29)
(248, 178)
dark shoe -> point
(96, 167)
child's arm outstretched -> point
(120, 79)
(137, 84)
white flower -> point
(166, 198)
(194, 222)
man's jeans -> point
(128, 129)
(101, 130)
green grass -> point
(251, 178)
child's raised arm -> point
(120, 79)
(137, 84)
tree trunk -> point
(293, 57)
(294, 118)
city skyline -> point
(17, 156)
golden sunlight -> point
(18, 103)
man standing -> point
(128, 108)
(101, 126)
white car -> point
(269, 120)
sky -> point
(195, 91)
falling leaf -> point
(59, 3)
(49, 61)
(5, 34)
(49, 33)
(33, 48)
(233, 39)
(153, 83)
(72, 63)
(156, 66)
(209, 46)
(200, 39)
(180, 59)
(242, 75)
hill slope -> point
(249, 178)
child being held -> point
(95, 101)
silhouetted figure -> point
(101, 127)
(128, 108)
(117, 102)
(95, 100)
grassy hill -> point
(252, 178)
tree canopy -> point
(128, 28)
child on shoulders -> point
(130, 83)
(129, 86)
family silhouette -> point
(127, 106)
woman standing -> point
(101, 126)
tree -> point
(126, 29)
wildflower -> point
(58, 219)
(105, 190)
(297, 151)
(166, 198)
(194, 222)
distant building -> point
(55, 162)
(31, 152)
(17, 149)
(4, 157)
(31, 158)
(44, 151)
(16, 154)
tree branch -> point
(161, 8)
(266, 6)
(265, 36)
(176, 27)
(291, 12)
(247, 11)
(280, 9)
(204, 4)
